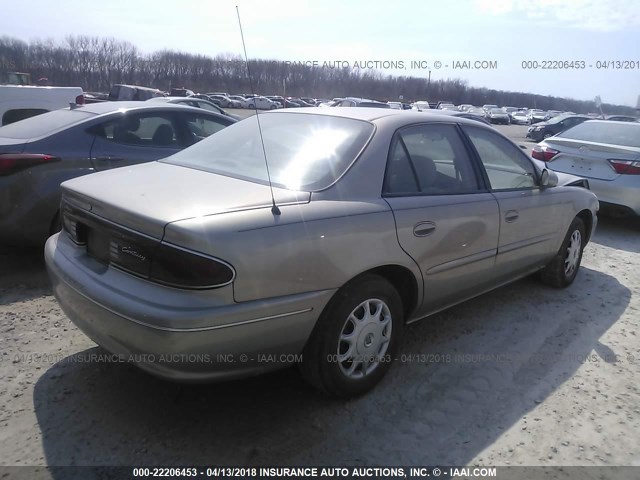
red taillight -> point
(14, 162)
(543, 152)
(625, 167)
(80, 100)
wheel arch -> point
(587, 217)
(403, 280)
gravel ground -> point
(524, 375)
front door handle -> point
(511, 216)
(109, 158)
(423, 229)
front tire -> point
(562, 270)
(355, 339)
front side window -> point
(153, 130)
(429, 160)
(506, 166)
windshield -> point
(44, 124)
(304, 152)
(627, 135)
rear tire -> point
(562, 270)
(355, 339)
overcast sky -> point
(506, 31)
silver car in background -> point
(206, 265)
(606, 153)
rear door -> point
(136, 137)
(531, 218)
(446, 220)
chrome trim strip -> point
(459, 262)
(510, 247)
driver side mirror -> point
(548, 179)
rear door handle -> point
(423, 229)
(511, 216)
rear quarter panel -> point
(33, 195)
(315, 246)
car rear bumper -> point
(226, 341)
(624, 192)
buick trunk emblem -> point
(583, 149)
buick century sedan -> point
(311, 237)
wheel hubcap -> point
(364, 338)
(573, 253)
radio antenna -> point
(274, 208)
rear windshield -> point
(44, 124)
(625, 134)
(305, 152)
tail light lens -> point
(143, 256)
(625, 167)
(544, 153)
(80, 100)
(14, 162)
(176, 267)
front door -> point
(530, 217)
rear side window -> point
(429, 160)
(201, 126)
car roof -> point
(370, 114)
(108, 107)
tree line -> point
(96, 63)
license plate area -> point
(110, 244)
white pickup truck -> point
(18, 102)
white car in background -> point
(420, 106)
(262, 103)
(536, 115)
(520, 118)
(244, 103)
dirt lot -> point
(525, 375)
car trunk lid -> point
(146, 197)
(12, 145)
(588, 159)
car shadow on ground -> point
(621, 233)
(23, 274)
(460, 380)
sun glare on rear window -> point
(304, 152)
